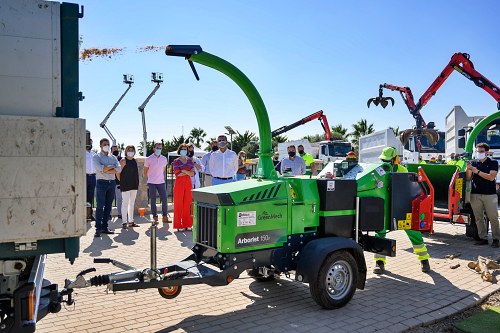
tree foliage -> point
(242, 140)
(197, 135)
(360, 128)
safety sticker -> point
(408, 216)
(380, 171)
(404, 224)
(330, 185)
(459, 186)
(247, 218)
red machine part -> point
(317, 115)
(454, 196)
(423, 206)
(459, 62)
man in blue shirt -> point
(106, 167)
(205, 164)
(295, 163)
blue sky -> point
(302, 56)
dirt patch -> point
(446, 325)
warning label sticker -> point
(330, 185)
(247, 218)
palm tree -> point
(395, 130)
(209, 143)
(197, 135)
(360, 128)
(339, 132)
(241, 140)
(279, 139)
(314, 138)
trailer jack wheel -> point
(336, 280)
(170, 292)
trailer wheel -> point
(336, 280)
(170, 292)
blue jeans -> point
(105, 193)
(217, 181)
(162, 190)
(90, 189)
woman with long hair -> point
(241, 174)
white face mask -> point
(130, 154)
(105, 149)
(480, 156)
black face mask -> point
(215, 148)
(301, 152)
(291, 153)
(89, 147)
(116, 152)
(190, 153)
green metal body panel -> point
(440, 176)
(264, 213)
(469, 146)
(367, 186)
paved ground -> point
(403, 298)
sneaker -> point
(124, 225)
(97, 234)
(425, 266)
(379, 267)
(107, 231)
(119, 216)
(481, 242)
(494, 243)
(164, 218)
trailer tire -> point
(336, 280)
(170, 292)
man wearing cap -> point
(308, 159)
(390, 155)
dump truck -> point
(316, 228)
(42, 156)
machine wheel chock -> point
(170, 292)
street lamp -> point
(231, 131)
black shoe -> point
(481, 242)
(494, 243)
(97, 234)
(119, 216)
(425, 266)
(379, 267)
(107, 231)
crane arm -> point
(462, 64)
(317, 115)
(105, 120)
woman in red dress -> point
(183, 170)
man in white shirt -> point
(223, 163)
(89, 167)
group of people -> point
(112, 177)
(109, 176)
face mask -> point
(301, 152)
(105, 149)
(222, 144)
(130, 154)
(291, 153)
(480, 156)
(183, 152)
(89, 147)
(215, 148)
(116, 152)
(158, 152)
(190, 153)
